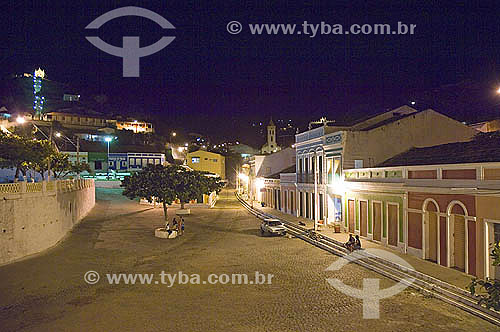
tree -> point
(61, 166)
(23, 153)
(211, 183)
(13, 153)
(43, 152)
(166, 183)
(154, 182)
(488, 290)
(191, 185)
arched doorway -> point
(431, 223)
(457, 214)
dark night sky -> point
(208, 78)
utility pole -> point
(315, 193)
(77, 150)
(107, 176)
(237, 180)
(78, 154)
(48, 159)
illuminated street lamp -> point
(174, 134)
(76, 145)
(108, 140)
(498, 90)
(20, 120)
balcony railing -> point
(305, 178)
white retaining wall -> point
(35, 216)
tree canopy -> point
(25, 152)
(165, 184)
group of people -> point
(353, 243)
(177, 226)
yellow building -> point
(207, 161)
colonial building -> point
(440, 203)
(324, 152)
(263, 166)
(75, 120)
(95, 121)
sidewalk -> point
(445, 274)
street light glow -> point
(108, 139)
(20, 120)
(58, 134)
(498, 90)
(174, 134)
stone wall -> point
(36, 216)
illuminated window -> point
(333, 169)
(195, 160)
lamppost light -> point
(20, 120)
(108, 139)
(58, 134)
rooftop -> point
(485, 147)
(290, 169)
(114, 147)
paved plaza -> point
(48, 292)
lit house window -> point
(195, 160)
(358, 163)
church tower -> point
(271, 146)
(271, 135)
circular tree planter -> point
(163, 234)
(183, 212)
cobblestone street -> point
(48, 293)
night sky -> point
(210, 81)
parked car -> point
(272, 227)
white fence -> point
(45, 186)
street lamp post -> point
(108, 140)
(77, 146)
(315, 207)
(21, 120)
